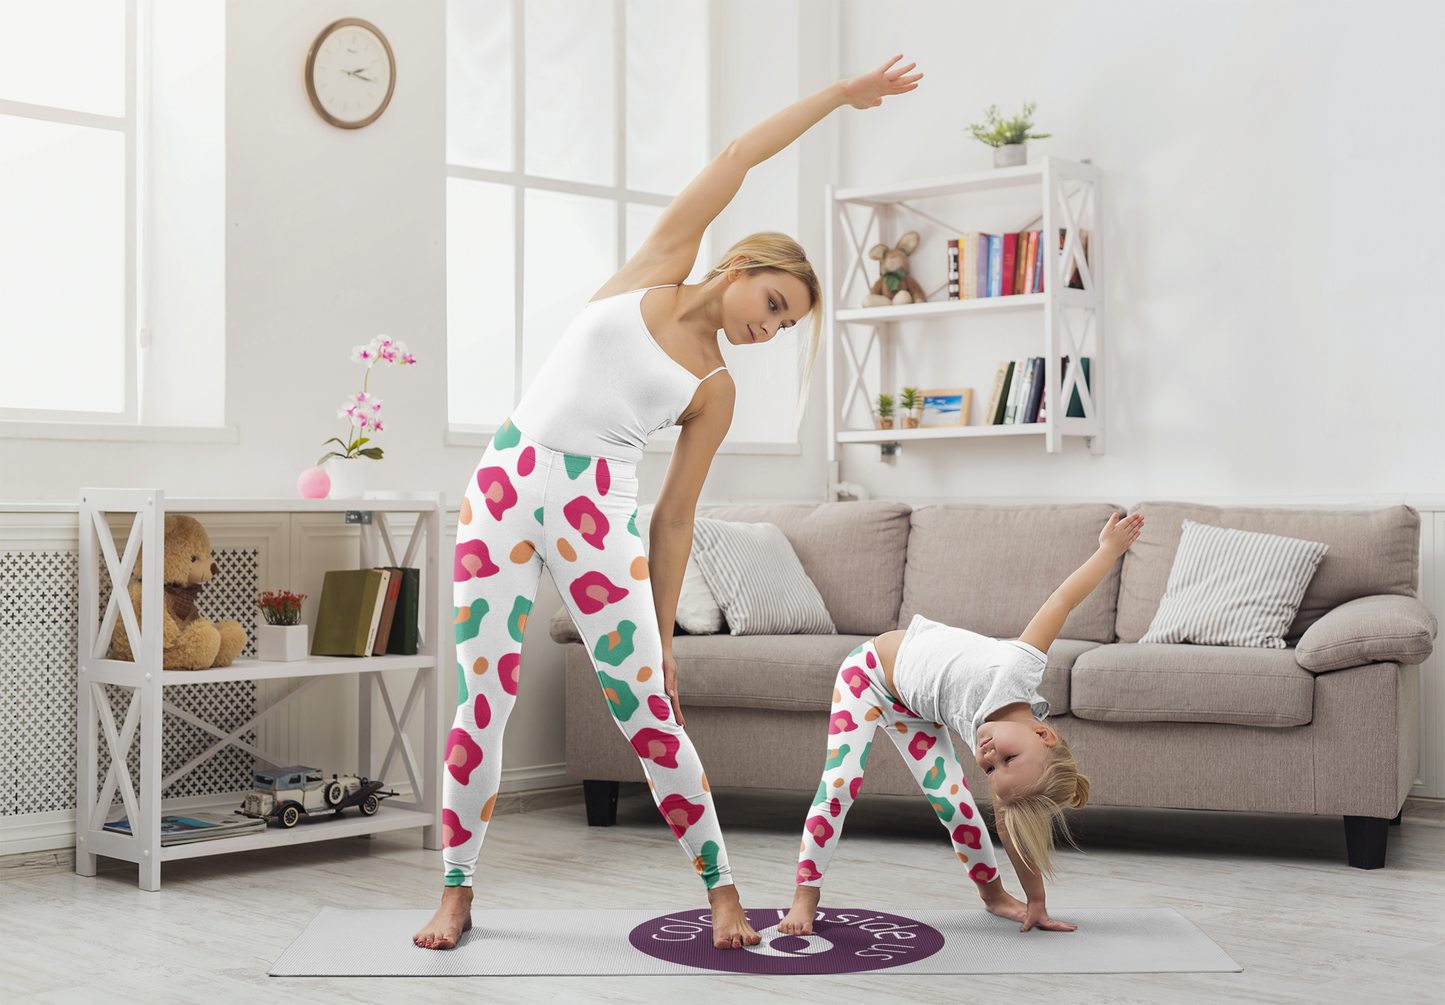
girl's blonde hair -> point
(770, 251)
(1033, 817)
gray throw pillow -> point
(1378, 629)
(757, 580)
(1233, 587)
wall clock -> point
(350, 73)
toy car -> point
(284, 794)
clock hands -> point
(358, 76)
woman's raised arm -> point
(668, 254)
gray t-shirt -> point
(958, 677)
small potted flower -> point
(911, 402)
(282, 638)
(885, 411)
(347, 467)
(1008, 136)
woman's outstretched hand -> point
(669, 684)
(867, 90)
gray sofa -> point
(1184, 726)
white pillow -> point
(1234, 587)
(697, 611)
(757, 580)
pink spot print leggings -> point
(529, 506)
(862, 704)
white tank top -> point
(607, 385)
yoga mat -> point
(375, 943)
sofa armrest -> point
(562, 628)
(1379, 629)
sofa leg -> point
(601, 799)
(1365, 839)
(1396, 821)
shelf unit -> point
(146, 681)
(1069, 196)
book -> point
(1021, 255)
(1029, 260)
(1000, 383)
(1076, 406)
(977, 274)
(1020, 381)
(403, 638)
(188, 828)
(1039, 262)
(378, 606)
(1010, 265)
(995, 265)
(1035, 396)
(388, 614)
(953, 269)
(1000, 407)
(345, 619)
(967, 248)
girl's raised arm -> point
(1114, 540)
(668, 254)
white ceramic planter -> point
(348, 476)
(1010, 155)
(280, 643)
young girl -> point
(558, 488)
(916, 684)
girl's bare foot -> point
(805, 908)
(730, 928)
(453, 918)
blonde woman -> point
(557, 488)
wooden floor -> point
(1274, 891)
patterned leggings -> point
(529, 506)
(861, 703)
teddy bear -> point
(189, 641)
(894, 285)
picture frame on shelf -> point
(946, 407)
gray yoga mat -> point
(375, 943)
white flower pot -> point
(1010, 155)
(348, 476)
(280, 643)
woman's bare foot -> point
(805, 908)
(452, 919)
(730, 928)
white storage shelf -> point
(1069, 197)
(146, 681)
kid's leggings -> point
(862, 704)
(529, 506)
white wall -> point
(1273, 212)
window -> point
(570, 126)
(68, 141)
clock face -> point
(349, 73)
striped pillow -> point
(757, 580)
(1233, 587)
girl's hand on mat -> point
(1038, 917)
(867, 90)
(669, 684)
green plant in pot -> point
(885, 411)
(1008, 136)
(910, 401)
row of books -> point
(1002, 265)
(1017, 396)
(368, 612)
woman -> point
(557, 487)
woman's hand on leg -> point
(669, 683)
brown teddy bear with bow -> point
(190, 641)
(895, 286)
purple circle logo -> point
(843, 942)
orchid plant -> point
(363, 411)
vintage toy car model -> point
(284, 794)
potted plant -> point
(885, 411)
(911, 402)
(347, 467)
(282, 638)
(1008, 136)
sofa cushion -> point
(990, 568)
(761, 671)
(1135, 682)
(1370, 552)
(1383, 629)
(852, 551)
(757, 580)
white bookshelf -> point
(1071, 321)
(97, 727)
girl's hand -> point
(1037, 917)
(669, 684)
(867, 90)
(1118, 534)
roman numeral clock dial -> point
(350, 73)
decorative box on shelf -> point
(281, 643)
